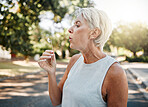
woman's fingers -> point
(48, 61)
(49, 53)
(45, 57)
(45, 54)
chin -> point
(72, 47)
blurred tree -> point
(61, 41)
(117, 36)
(19, 17)
(143, 30)
(132, 37)
(39, 40)
(107, 47)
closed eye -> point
(77, 25)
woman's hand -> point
(48, 61)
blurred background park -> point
(25, 26)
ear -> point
(95, 33)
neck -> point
(92, 54)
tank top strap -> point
(110, 61)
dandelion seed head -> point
(49, 40)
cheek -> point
(81, 33)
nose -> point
(70, 30)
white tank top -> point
(84, 83)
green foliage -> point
(19, 18)
(83, 3)
(39, 40)
(107, 47)
(133, 37)
(16, 25)
(137, 59)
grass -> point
(13, 68)
(17, 68)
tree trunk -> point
(63, 54)
(26, 58)
(134, 53)
(13, 56)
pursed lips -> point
(70, 38)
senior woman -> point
(92, 78)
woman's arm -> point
(55, 91)
(117, 90)
(48, 63)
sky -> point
(117, 10)
(124, 10)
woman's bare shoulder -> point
(115, 75)
(116, 70)
(117, 87)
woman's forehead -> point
(80, 18)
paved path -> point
(135, 97)
(140, 70)
(28, 91)
(32, 91)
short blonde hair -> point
(97, 19)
